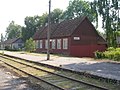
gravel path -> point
(8, 81)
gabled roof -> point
(63, 29)
(38, 32)
(10, 41)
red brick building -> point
(76, 37)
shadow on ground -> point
(102, 67)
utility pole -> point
(48, 33)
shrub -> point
(117, 56)
(29, 45)
(118, 49)
(7, 47)
(111, 49)
(99, 55)
(111, 53)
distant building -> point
(76, 37)
(14, 44)
(118, 40)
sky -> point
(17, 10)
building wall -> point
(86, 32)
(7, 45)
(86, 50)
(58, 51)
(2, 47)
(17, 45)
(84, 41)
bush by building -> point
(29, 45)
(111, 53)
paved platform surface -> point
(96, 67)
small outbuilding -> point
(12, 44)
(76, 37)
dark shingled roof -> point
(37, 34)
(10, 41)
(65, 28)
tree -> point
(56, 15)
(109, 11)
(2, 38)
(33, 23)
(44, 19)
(78, 8)
(13, 30)
(29, 45)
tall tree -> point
(31, 24)
(13, 30)
(56, 15)
(78, 8)
(109, 11)
(44, 19)
(2, 38)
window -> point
(58, 43)
(65, 43)
(46, 44)
(37, 44)
(53, 44)
(19, 45)
(40, 43)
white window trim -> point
(41, 43)
(53, 44)
(46, 44)
(65, 43)
(37, 42)
(58, 43)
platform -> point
(103, 68)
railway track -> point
(58, 80)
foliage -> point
(29, 45)
(78, 8)
(111, 53)
(109, 11)
(118, 33)
(110, 49)
(33, 23)
(2, 38)
(13, 30)
(56, 15)
(99, 55)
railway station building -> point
(75, 37)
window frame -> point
(37, 43)
(65, 43)
(53, 44)
(41, 44)
(59, 43)
(46, 44)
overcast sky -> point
(17, 10)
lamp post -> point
(48, 33)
